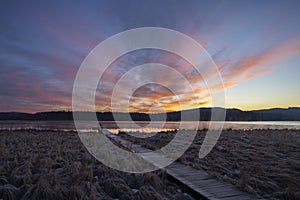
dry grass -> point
(55, 165)
(263, 162)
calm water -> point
(144, 126)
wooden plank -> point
(244, 196)
(223, 193)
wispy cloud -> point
(260, 63)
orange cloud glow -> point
(158, 98)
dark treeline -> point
(275, 114)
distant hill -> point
(274, 114)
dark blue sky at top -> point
(42, 43)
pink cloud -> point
(252, 66)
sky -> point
(254, 44)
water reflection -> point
(143, 130)
(143, 126)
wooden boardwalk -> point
(198, 181)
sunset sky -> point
(255, 44)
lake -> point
(145, 126)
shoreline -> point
(156, 126)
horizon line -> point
(228, 108)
